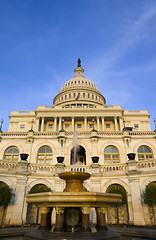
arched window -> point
(144, 153)
(12, 154)
(111, 155)
(44, 155)
(78, 156)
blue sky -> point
(41, 40)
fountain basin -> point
(74, 181)
(73, 199)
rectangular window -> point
(22, 126)
(66, 125)
(78, 125)
(107, 125)
(50, 126)
(136, 126)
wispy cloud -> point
(137, 31)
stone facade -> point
(108, 132)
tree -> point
(5, 197)
(118, 189)
(149, 197)
(39, 188)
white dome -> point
(79, 81)
(79, 88)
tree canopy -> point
(118, 189)
(5, 194)
(149, 195)
(39, 188)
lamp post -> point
(154, 120)
(1, 125)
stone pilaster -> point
(19, 209)
(138, 216)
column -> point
(59, 224)
(85, 123)
(101, 221)
(45, 218)
(60, 123)
(115, 124)
(85, 219)
(37, 124)
(98, 124)
(42, 124)
(55, 124)
(73, 124)
(121, 123)
(103, 123)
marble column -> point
(98, 124)
(55, 124)
(60, 123)
(115, 124)
(103, 123)
(73, 124)
(42, 124)
(37, 124)
(121, 123)
(85, 123)
(85, 219)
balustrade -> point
(41, 168)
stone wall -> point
(112, 216)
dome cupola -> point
(79, 89)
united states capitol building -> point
(106, 134)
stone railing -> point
(41, 168)
(114, 167)
(78, 168)
(132, 133)
(146, 164)
(6, 165)
(70, 133)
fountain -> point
(73, 206)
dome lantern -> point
(79, 70)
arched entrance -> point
(78, 155)
(33, 211)
(118, 214)
(5, 199)
(149, 198)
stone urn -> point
(131, 156)
(24, 156)
(60, 159)
(95, 159)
